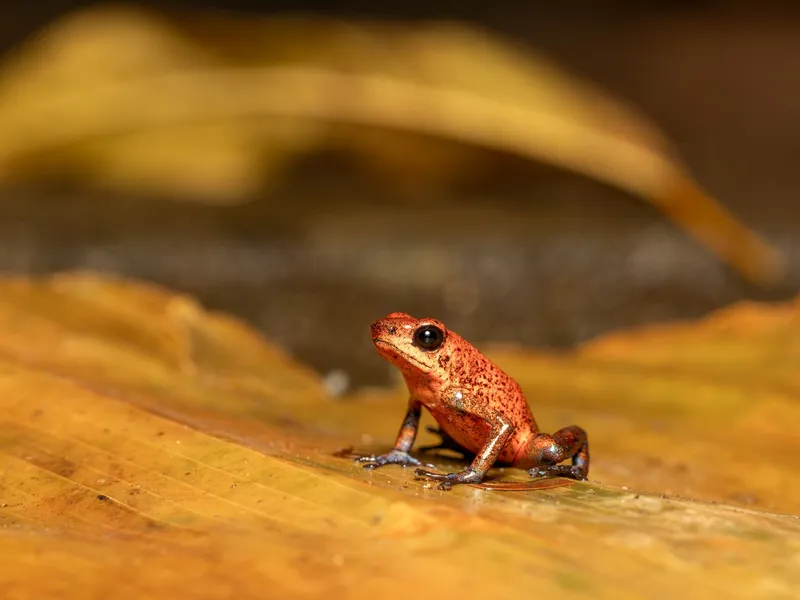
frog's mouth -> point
(396, 356)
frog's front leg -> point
(405, 439)
(501, 430)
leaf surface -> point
(149, 448)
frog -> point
(480, 410)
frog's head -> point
(412, 345)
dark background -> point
(534, 255)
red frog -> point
(480, 410)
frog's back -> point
(473, 372)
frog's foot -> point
(447, 443)
(395, 457)
(578, 472)
(449, 479)
(550, 450)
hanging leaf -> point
(216, 108)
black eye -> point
(428, 337)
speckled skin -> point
(478, 407)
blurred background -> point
(535, 175)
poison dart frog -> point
(481, 411)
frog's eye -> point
(429, 337)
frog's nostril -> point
(383, 327)
(376, 328)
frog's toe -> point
(539, 472)
(569, 471)
(430, 474)
(394, 457)
(372, 462)
(449, 479)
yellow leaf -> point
(149, 448)
(214, 108)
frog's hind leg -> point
(547, 451)
(447, 443)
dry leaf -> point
(151, 449)
(215, 108)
